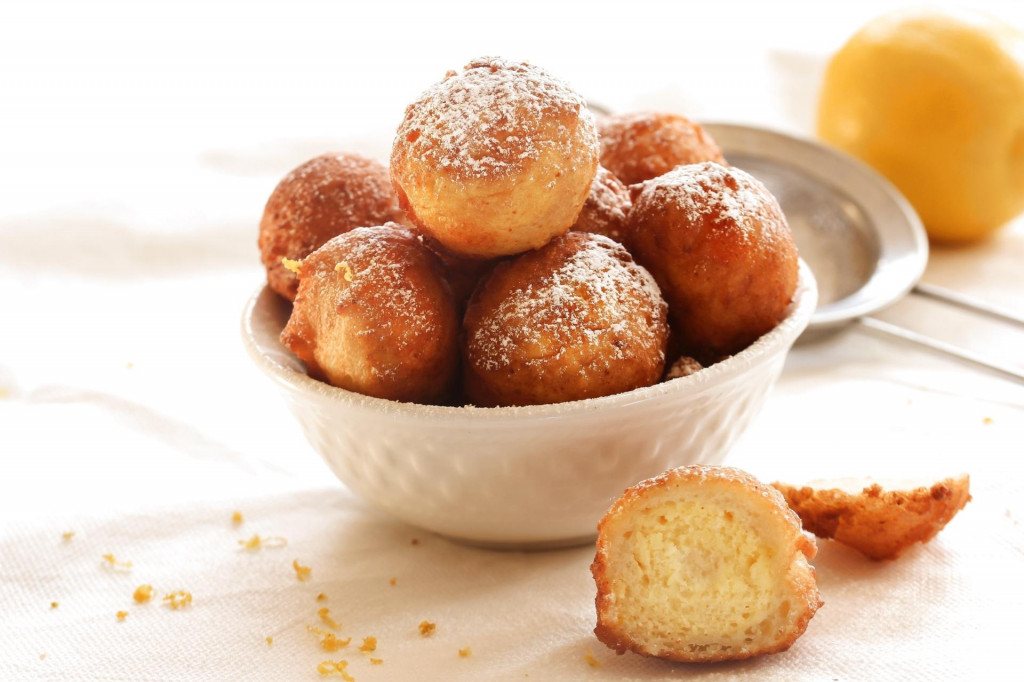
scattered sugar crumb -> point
(3, 393)
(143, 593)
(115, 564)
(67, 535)
(393, 581)
(256, 543)
(427, 628)
(301, 572)
(236, 517)
(591, 661)
(465, 652)
(54, 605)
(270, 640)
(290, 264)
(178, 599)
(121, 615)
(376, 661)
(42, 657)
(321, 597)
(369, 644)
(335, 668)
(987, 420)
(325, 616)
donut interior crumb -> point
(67, 535)
(236, 517)
(270, 640)
(121, 615)
(290, 264)
(143, 593)
(369, 644)
(321, 597)
(427, 628)
(394, 581)
(465, 652)
(591, 661)
(376, 661)
(54, 605)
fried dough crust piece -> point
(880, 522)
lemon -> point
(934, 100)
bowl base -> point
(527, 545)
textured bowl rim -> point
(798, 315)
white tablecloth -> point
(139, 143)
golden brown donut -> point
(642, 146)
(719, 246)
(320, 199)
(464, 274)
(880, 522)
(496, 160)
(575, 319)
(375, 315)
(703, 564)
(606, 207)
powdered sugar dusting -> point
(597, 297)
(491, 118)
(367, 274)
(719, 197)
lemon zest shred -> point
(325, 616)
(301, 572)
(335, 668)
(143, 593)
(178, 599)
(115, 564)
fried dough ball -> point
(320, 199)
(375, 315)
(606, 208)
(575, 319)
(638, 147)
(496, 160)
(719, 246)
(464, 274)
(880, 521)
(703, 564)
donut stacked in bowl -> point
(521, 253)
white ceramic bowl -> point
(521, 477)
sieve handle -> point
(957, 352)
(968, 302)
